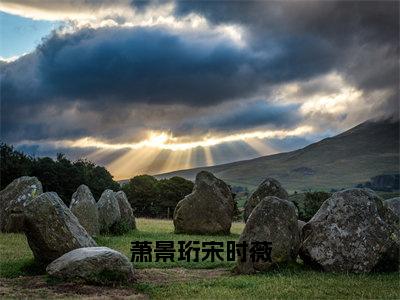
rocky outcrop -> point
(93, 264)
(127, 218)
(269, 187)
(208, 209)
(12, 199)
(109, 213)
(394, 205)
(84, 207)
(51, 228)
(352, 232)
(272, 220)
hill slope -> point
(369, 149)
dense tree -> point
(312, 203)
(60, 175)
(142, 195)
(96, 178)
(170, 192)
(152, 198)
(13, 164)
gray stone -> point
(109, 213)
(272, 220)
(352, 232)
(126, 211)
(208, 209)
(51, 228)
(394, 205)
(301, 224)
(92, 264)
(84, 207)
(12, 199)
(269, 187)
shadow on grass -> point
(23, 267)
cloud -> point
(363, 36)
(245, 116)
(67, 9)
(119, 70)
(109, 71)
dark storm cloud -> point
(253, 115)
(334, 20)
(111, 71)
(362, 35)
(155, 66)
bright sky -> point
(20, 35)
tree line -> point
(148, 196)
(59, 175)
(156, 198)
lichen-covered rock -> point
(301, 224)
(208, 209)
(109, 213)
(269, 187)
(352, 232)
(12, 199)
(272, 220)
(92, 264)
(84, 207)
(51, 228)
(394, 205)
(127, 218)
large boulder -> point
(109, 213)
(208, 209)
(84, 207)
(394, 205)
(12, 199)
(52, 229)
(93, 264)
(269, 187)
(352, 232)
(272, 220)
(301, 224)
(127, 218)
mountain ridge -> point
(344, 160)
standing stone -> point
(12, 199)
(109, 213)
(272, 220)
(394, 205)
(92, 264)
(126, 211)
(51, 228)
(84, 207)
(301, 224)
(208, 209)
(352, 232)
(269, 187)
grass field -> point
(203, 280)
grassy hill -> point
(369, 149)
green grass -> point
(295, 281)
(286, 284)
(16, 258)
(162, 230)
